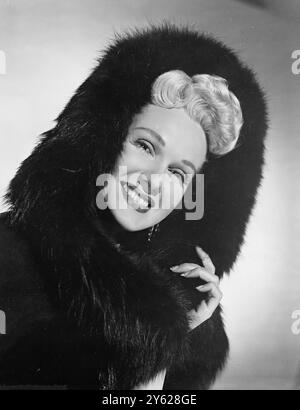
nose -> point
(151, 183)
(153, 176)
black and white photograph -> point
(149, 197)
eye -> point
(145, 146)
(179, 174)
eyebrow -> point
(154, 134)
(162, 142)
(189, 164)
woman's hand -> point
(207, 273)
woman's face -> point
(162, 151)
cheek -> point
(132, 158)
(172, 193)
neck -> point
(127, 239)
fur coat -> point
(82, 312)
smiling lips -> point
(140, 200)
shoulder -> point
(14, 252)
(22, 296)
(16, 261)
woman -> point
(88, 292)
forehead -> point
(184, 138)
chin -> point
(128, 221)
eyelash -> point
(144, 146)
(181, 176)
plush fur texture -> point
(118, 316)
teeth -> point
(133, 195)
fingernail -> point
(174, 267)
(184, 274)
(200, 287)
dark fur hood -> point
(52, 204)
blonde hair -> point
(207, 100)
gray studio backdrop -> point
(49, 46)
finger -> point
(212, 303)
(213, 289)
(200, 315)
(183, 267)
(207, 262)
(203, 274)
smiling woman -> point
(160, 154)
(110, 298)
(168, 142)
